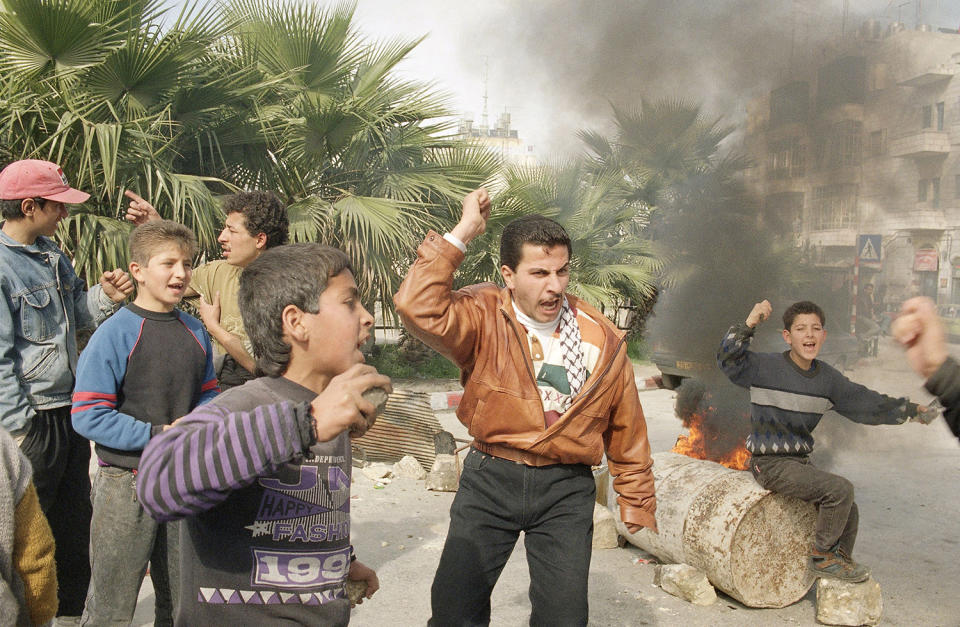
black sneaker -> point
(835, 565)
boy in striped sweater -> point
(789, 393)
(144, 368)
(261, 475)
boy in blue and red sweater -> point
(143, 369)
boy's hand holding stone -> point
(760, 312)
(341, 406)
(476, 212)
(116, 285)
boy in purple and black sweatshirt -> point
(144, 368)
(261, 475)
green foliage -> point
(637, 349)
(613, 262)
(390, 359)
(245, 94)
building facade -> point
(865, 140)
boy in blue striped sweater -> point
(789, 393)
(143, 369)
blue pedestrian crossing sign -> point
(868, 248)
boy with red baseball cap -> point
(42, 304)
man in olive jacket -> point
(548, 388)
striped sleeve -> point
(210, 452)
(735, 358)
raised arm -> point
(734, 356)
(445, 320)
(139, 211)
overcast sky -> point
(558, 65)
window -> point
(834, 207)
(922, 190)
(789, 103)
(939, 116)
(956, 186)
(935, 192)
(785, 159)
(927, 116)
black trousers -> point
(837, 515)
(497, 499)
(61, 473)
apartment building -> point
(864, 139)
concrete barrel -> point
(749, 542)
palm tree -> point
(657, 147)
(93, 84)
(613, 263)
(248, 94)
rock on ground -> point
(604, 528)
(445, 474)
(844, 603)
(377, 472)
(409, 467)
(686, 582)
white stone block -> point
(409, 467)
(843, 603)
(604, 528)
(686, 582)
(444, 476)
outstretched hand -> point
(473, 220)
(341, 406)
(760, 312)
(139, 211)
(116, 285)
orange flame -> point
(698, 446)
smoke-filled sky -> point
(557, 65)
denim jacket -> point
(44, 303)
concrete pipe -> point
(749, 542)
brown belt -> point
(513, 454)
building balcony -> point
(925, 143)
(928, 77)
(796, 185)
(920, 218)
(833, 237)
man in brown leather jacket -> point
(548, 388)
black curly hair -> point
(263, 212)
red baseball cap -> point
(32, 178)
